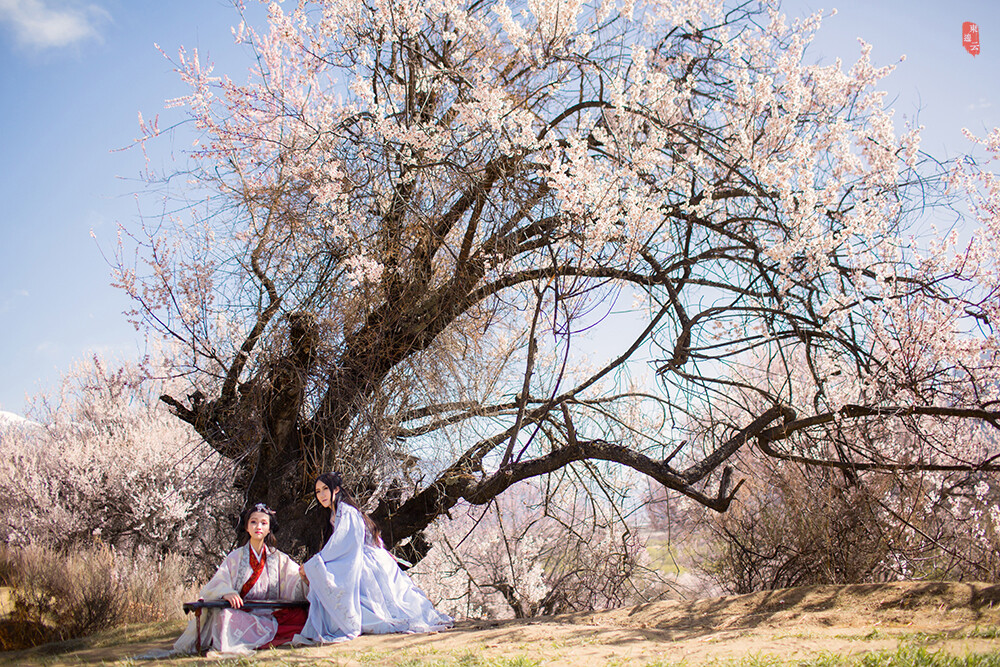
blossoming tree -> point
(439, 240)
(103, 460)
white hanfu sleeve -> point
(222, 583)
(290, 583)
(334, 583)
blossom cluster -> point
(99, 461)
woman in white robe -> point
(242, 576)
(355, 585)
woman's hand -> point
(302, 573)
(234, 600)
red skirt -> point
(290, 622)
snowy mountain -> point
(10, 421)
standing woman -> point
(254, 571)
(355, 585)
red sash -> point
(257, 566)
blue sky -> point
(74, 75)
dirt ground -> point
(790, 624)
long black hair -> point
(333, 480)
(243, 535)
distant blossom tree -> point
(101, 462)
(797, 525)
(816, 512)
(536, 552)
(418, 225)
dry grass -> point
(62, 595)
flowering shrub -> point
(103, 461)
(795, 525)
(523, 557)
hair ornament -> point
(261, 507)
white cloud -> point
(9, 300)
(46, 24)
(980, 105)
(48, 348)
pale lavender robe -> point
(356, 587)
(334, 576)
(389, 600)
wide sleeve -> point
(290, 583)
(223, 582)
(348, 536)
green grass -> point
(663, 557)
(467, 660)
(920, 656)
(923, 638)
(905, 656)
(915, 649)
(432, 659)
(52, 652)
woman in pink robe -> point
(254, 571)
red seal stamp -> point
(970, 37)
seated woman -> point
(254, 571)
(355, 585)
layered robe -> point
(356, 587)
(235, 630)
